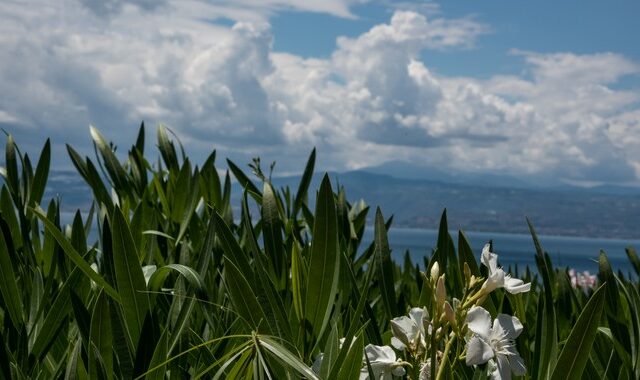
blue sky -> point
(546, 91)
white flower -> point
(383, 363)
(498, 278)
(494, 344)
(425, 370)
(409, 331)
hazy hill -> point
(610, 212)
(602, 212)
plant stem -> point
(445, 356)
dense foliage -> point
(163, 278)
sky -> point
(545, 90)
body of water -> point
(517, 249)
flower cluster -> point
(495, 342)
(429, 337)
(584, 280)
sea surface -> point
(516, 249)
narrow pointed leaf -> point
(272, 230)
(324, 264)
(245, 182)
(9, 286)
(158, 277)
(305, 180)
(385, 267)
(244, 300)
(41, 174)
(101, 337)
(159, 359)
(129, 276)
(75, 257)
(286, 357)
(575, 353)
(350, 368)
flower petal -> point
(517, 365)
(479, 321)
(494, 281)
(380, 356)
(508, 325)
(397, 344)
(398, 371)
(516, 285)
(489, 259)
(478, 351)
(425, 370)
(418, 315)
(503, 371)
(404, 329)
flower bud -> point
(441, 292)
(449, 314)
(467, 273)
(435, 270)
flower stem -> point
(445, 356)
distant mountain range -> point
(494, 203)
(490, 203)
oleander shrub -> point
(164, 278)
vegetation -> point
(159, 279)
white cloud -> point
(113, 64)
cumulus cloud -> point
(117, 62)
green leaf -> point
(617, 323)
(140, 140)
(298, 280)
(75, 365)
(9, 286)
(41, 174)
(56, 315)
(116, 172)
(305, 180)
(548, 343)
(245, 182)
(324, 264)
(167, 150)
(465, 254)
(575, 353)
(159, 358)
(244, 300)
(331, 351)
(81, 314)
(286, 357)
(129, 276)
(633, 257)
(274, 305)
(272, 230)
(385, 267)
(88, 171)
(193, 278)
(204, 257)
(9, 216)
(101, 338)
(74, 256)
(350, 368)
(13, 180)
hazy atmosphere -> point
(545, 92)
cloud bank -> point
(116, 63)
